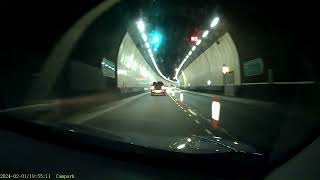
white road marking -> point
(217, 137)
(27, 107)
(181, 108)
(190, 115)
(197, 121)
(185, 111)
(207, 131)
(172, 98)
(195, 114)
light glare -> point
(209, 82)
(215, 108)
(205, 33)
(181, 146)
(214, 22)
(198, 42)
(141, 26)
(181, 97)
(144, 37)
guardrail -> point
(281, 92)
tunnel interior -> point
(272, 39)
(258, 53)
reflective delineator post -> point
(181, 96)
(215, 112)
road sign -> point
(253, 67)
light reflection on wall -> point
(132, 68)
(208, 66)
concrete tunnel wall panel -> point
(208, 66)
(132, 69)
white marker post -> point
(172, 93)
(215, 110)
(181, 97)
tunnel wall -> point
(133, 72)
(80, 74)
(208, 66)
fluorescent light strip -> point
(214, 23)
(141, 27)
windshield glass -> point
(197, 77)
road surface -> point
(163, 116)
(167, 117)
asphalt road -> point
(249, 122)
(161, 116)
(167, 117)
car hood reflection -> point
(200, 144)
(189, 144)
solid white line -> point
(207, 131)
(26, 107)
(192, 112)
(297, 82)
(197, 121)
(171, 98)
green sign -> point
(108, 68)
(253, 67)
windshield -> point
(164, 74)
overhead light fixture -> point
(198, 42)
(225, 69)
(214, 22)
(144, 37)
(205, 33)
(209, 82)
(141, 26)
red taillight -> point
(152, 87)
(163, 88)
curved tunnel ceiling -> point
(255, 31)
(177, 20)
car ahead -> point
(158, 88)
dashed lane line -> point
(207, 131)
(195, 114)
